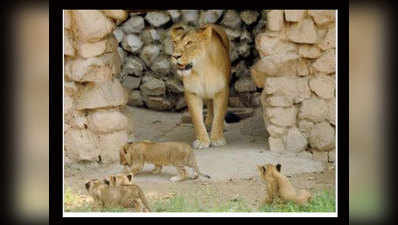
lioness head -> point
(117, 180)
(267, 171)
(189, 46)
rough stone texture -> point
(276, 144)
(303, 32)
(327, 62)
(105, 121)
(281, 116)
(150, 36)
(149, 53)
(156, 18)
(330, 39)
(133, 66)
(175, 86)
(118, 33)
(174, 14)
(135, 98)
(132, 43)
(276, 131)
(181, 104)
(232, 34)
(161, 65)
(91, 25)
(231, 19)
(249, 16)
(131, 82)
(153, 87)
(281, 101)
(246, 36)
(190, 17)
(322, 137)
(67, 19)
(295, 140)
(305, 126)
(81, 145)
(309, 51)
(69, 49)
(158, 103)
(275, 20)
(322, 17)
(133, 25)
(87, 49)
(110, 145)
(332, 111)
(209, 16)
(294, 15)
(323, 86)
(118, 15)
(314, 109)
(294, 88)
(245, 84)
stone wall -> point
(297, 73)
(94, 126)
(145, 49)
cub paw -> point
(219, 142)
(200, 145)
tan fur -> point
(121, 179)
(127, 196)
(207, 82)
(177, 154)
(279, 185)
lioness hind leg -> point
(157, 169)
(210, 113)
(220, 103)
(195, 106)
(181, 174)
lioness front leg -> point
(220, 104)
(195, 106)
(182, 173)
(209, 116)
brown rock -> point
(314, 109)
(294, 15)
(327, 62)
(303, 32)
(275, 20)
(322, 137)
(322, 17)
(281, 116)
(323, 86)
(105, 121)
(91, 25)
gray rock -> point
(157, 19)
(161, 65)
(133, 25)
(231, 19)
(168, 46)
(174, 14)
(132, 43)
(152, 87)
(181, 104)
(118, 33)
(131, 82)
(260, 27)
(233, 55)
(149, 53)
(232, 34)
(240, 69)
(246, 36)
(190, 17)
(134, 66)
(243, 49)
(249, 16)
(295, 141)
(150, 36)
(158, 103)
(122, 54)
(135, 99)
(209, 16)
(245, 84)
(175, 86)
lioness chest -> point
(205, 82)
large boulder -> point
(303, 32)
(157, 18)
(322, 137)
(105, 121)
(275, 20)
(327, 62)
(323, 86)
(91, 25)
(293, 88)
(132, 43)
(133, 25)
(281, 116)
(249, 16)
(153, 87)
(110, 145)
(81, 145)
(314, 109)
(92, 49)
(231, 19)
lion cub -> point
(127, 196)
(121, 179)
(178, 154)
(278, 184)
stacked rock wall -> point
(146, 48)
(296, 70)
(94, 126)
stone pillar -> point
(94, 127)
(297, 73)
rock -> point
(181, 104)
(330, 39)
(150, 36)
(245, 84)
(209, 16)
(256, 99)
(276, 144)
(246, 36)
(320, 156)
(153, 87)
(67, 19)
(305, 126)
(231, 19)
(332, 156)
(102, 94)
(302, 67)
(118, 15)
(275, 131)
(281, 101)
(249, 16)
(69, 49)
(323, 86)
(91, 25)
(77, 119)
(294, 15)
(190, 17)
(105, 121)
(157, 18)
(322, 17)
(175, 86)
(167, 45)
(257, 77)
(110, 145)
(314, 109)
(233, 55)
(135, 98)
(118, 33)
(131, 82)
(134, 66)
(81, 145)
(292, 87)
(295, 141)
(260, 27)
(303, 32)
(70, 88)
(122, 54)
(161, 65)
(232, 34)
(149, 53)
(158, 103)
(322, 137)
(281, 116)
(98, 68)
(235, 101)
(92, 49)
(327, 62)
(132, 43)
(68, 106)
(275, 20)
(243, 49)
(174, 14)
(309, 51)
(133, 25)
(332, 111)
(240, 69)
(268, 45)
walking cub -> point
(177, 154)
(127, 196)
(279, 185)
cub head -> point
(95, 186)
(267, 172)
(189, 46)
(122, 179)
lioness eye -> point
(189, 42)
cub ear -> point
(88, 185)
(261, 169)
(106, 181)
(129, 177)
(278, 167)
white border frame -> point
(199, 214)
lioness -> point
(202, 59)
(279, 185)
(161, 154)
(127, 196)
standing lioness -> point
(160, 154)
(202, 59)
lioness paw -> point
(219, 142)
(200, 145)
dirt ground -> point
(232, 167)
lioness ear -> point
(261, 169)
(129, 177)
(278, 167)
(88, 185)
(176, 32)
(106, 181)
